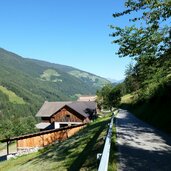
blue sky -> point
(73, 33)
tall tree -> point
(102, 96)
(114, 97)
(152, 34)
(109, 96)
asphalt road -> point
(140, 146)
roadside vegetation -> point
(113, 158)
(155, 110)
(79, 152)
(108, 97)
(147, 40)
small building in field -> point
(60, 114)
(87, 98)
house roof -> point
(42, 125)
(50, 108)
(82, 107)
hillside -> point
(76, 153)
(154, 110)
(25, 84)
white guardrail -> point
(106, 151)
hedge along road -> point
(140, 146)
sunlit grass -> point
(113, 152)
(50, 75)
(76, 153)
(128, 98)
(13, 98)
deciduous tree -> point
(150, 33)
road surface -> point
(140, 146)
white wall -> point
(57, 125)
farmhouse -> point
(60, 114)
(60, 120)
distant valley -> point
(26, 83)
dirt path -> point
(141, 147)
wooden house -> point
(60, 114)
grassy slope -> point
(156, 111)
(76, 153)
(13, 98)
(127, 99)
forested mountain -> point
(25, 84)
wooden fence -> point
(47, 138)
(43, 138)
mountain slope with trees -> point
(29, 83)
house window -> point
(67, 118)
(63, 125)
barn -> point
(61, 114)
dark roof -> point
(82, 107)
(50, 108)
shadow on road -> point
(141, 146)
(133, 158)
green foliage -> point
(148, 42)
(152, 106)
(109, 96)
(115, 96)
(102, 96)
(151, 35)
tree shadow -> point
(77, 164)
(141, 146)
(132, 158)
(74, 151)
